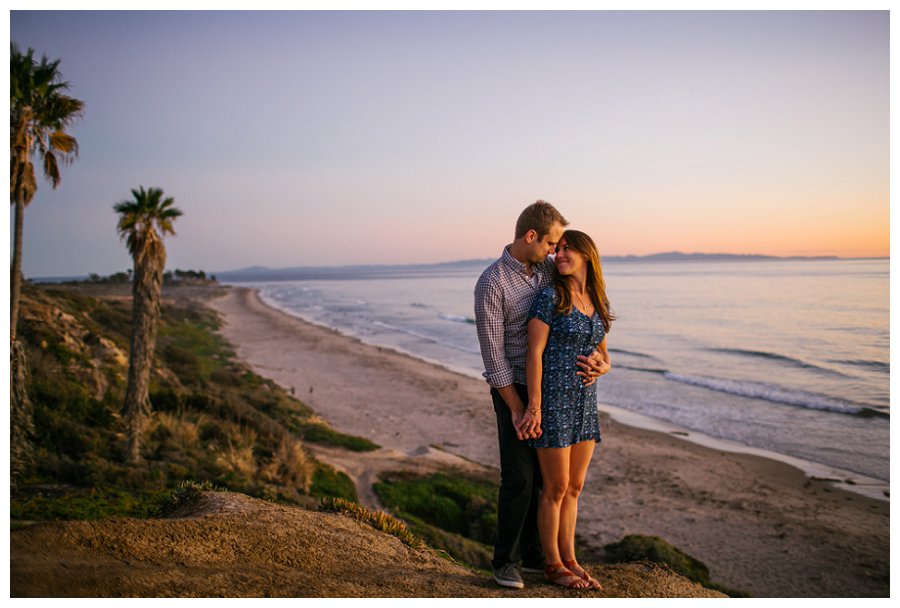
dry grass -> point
(238, 455)
(184, 434)
(290, 466)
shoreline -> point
(759, 525)
(845, 480)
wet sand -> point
(761, 526)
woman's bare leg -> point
(579, 459)
(555, 466)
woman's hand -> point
(595, 365)
(529, 426)
(538, 332)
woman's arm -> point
(538, 332)
(604, 354)
(594, 365)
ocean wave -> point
(650, 370)
(759, 354)
(630, 352)
(424, 337)
(457, 318)
(777, 394)
(877, 366)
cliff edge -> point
(226, 544)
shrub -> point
(377, 519)
(452, 501)
(186, 493)
(319, 433)
(84, 504)
(636, 547)
(326, 481)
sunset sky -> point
(317, 138)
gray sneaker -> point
(509, 576)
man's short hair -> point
(540, 217)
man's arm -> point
(489, 325)
(489, 316)
(516, 407)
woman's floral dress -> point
(568, 408)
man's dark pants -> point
(520, 486)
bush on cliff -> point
(452, 511)
(636, 548)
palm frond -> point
(40, 111)
(65, 143)
(51, 169)
(144, 220)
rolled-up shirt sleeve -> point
(489, 317)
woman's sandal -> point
(562, 576)
(574, 568)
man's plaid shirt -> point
(503, 297)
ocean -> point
(790, 358)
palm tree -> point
(143, 222)
(39, 113)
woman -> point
(570, 318)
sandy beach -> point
(760, 525)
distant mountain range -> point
(260, 273)
(677, 256)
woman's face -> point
(568, 261)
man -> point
(503, 297)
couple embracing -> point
(542, 326)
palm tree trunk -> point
(15, 290)
(145, 321)
(20, 410)
(21, 425)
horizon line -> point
(629, 256)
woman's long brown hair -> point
(596, 286)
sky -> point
(309, 138)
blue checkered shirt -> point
(503, 296)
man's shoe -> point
(538, 569)
(509, 576)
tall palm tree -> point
(39, 113)
(143, 222)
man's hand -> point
(528, 425)
(523, 420)
(592, 367)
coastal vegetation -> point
(450, 510)
(170, 277)
(636, 547)
(377, 519)
(39, 114)
(214, 422)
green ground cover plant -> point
(635, 547)
(450, 510)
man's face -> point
(543, 247)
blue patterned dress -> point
(568, 408)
